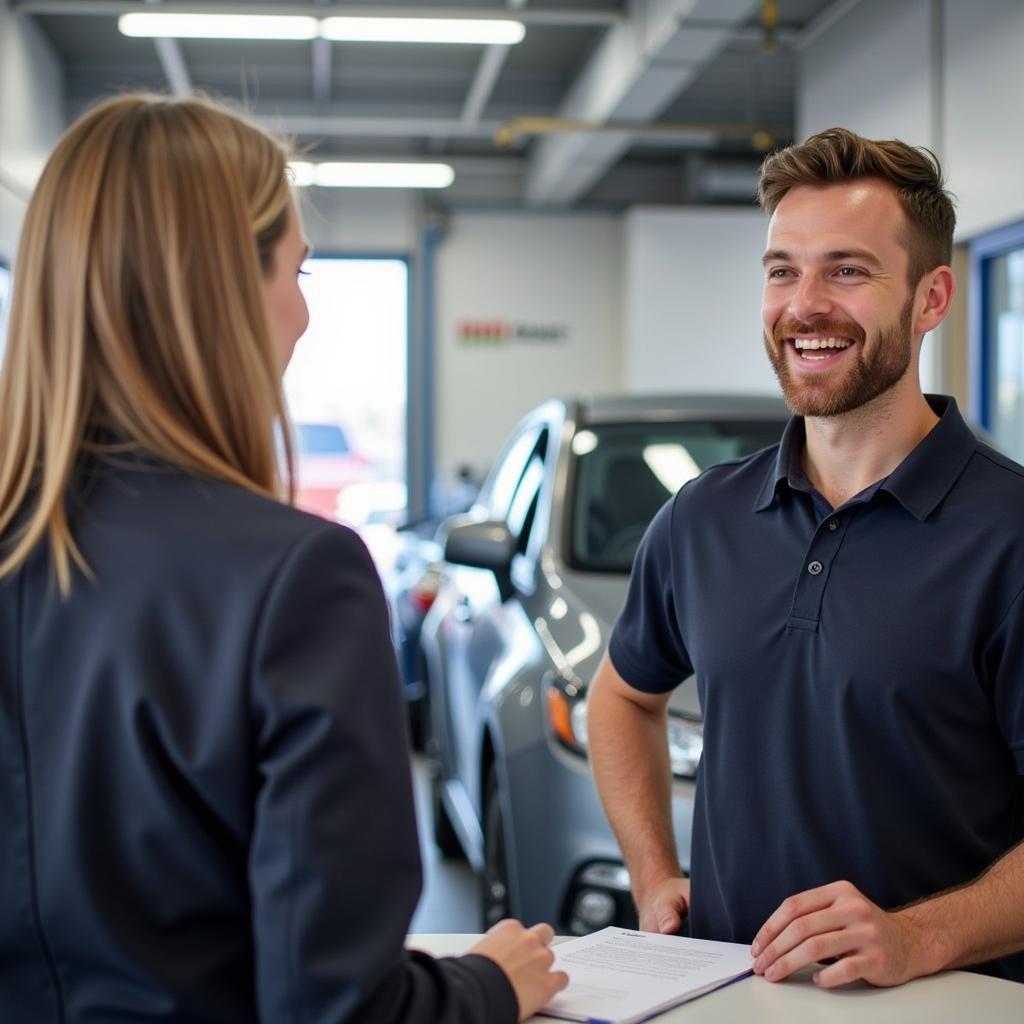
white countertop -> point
(956, 997)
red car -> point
(324, 465)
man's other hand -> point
(664, 907)
(837, 922)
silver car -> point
(534, 577)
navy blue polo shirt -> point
(860, 671)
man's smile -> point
(818, 348)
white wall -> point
(983, 122)
(939, 73)
(693, 301)
(372, 221)
(946, 74)
(31, 117)
(871, 72)
(533, 269)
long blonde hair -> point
(138, 310)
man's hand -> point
(836, 921)
(525, 957)
(665, 906)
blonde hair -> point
(138, 311)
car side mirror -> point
(481, 545)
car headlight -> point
(567, 717)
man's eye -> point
(778, 272)
(849, 272)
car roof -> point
(619, 408)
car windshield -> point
(321, 439)
(624, 473)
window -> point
(998, 333)
(346, 388)
(624, 472)
(505, 478)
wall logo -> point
(496, 332)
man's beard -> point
(873, 371)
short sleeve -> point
(334, 862)
(646, 646)
(1004, 664)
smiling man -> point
(852, 604)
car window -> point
(321, 439)
(523, 509)
(505, 477)
(623, 473)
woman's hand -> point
(525, 957)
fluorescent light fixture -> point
(423, 30)
(218, 26)
(302, 173)
(371, 175)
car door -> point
(476, 637)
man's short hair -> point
(839, 155)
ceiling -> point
(670, 101)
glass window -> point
(1005, 334)
(522, 513)
(506, 476)
(346, 391)
(624, 473)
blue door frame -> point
(980, 349)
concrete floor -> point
(451, 892)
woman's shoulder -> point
(173, 522)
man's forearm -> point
(980, 921)
(629, 755)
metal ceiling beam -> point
(487, 73)
(640, 67)
(377, 127)
(594, 17)
(172, 60)
(321, 66)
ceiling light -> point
(371, 175)
(423, 30)
(218, 26)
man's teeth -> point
(814, 343)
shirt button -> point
(814, 568)
(833, 524)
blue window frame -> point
(997, 335)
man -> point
(851, 604)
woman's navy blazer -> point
(205, 800)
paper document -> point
(618, 976)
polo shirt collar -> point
(918, 483)
(921, 481)
(787, 463)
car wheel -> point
(445, 837)
(494, 901)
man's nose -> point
(810, 300)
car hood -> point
(603, 595)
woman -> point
(205, 804)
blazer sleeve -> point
(334, 864)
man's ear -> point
(933, 297)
